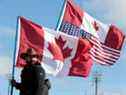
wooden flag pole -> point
(14, 55)
(61, 15)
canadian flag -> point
(62, 54)
(107, 40)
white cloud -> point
(112, 11)
(5, 65)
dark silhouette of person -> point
(33, 80)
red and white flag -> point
(62, 54)
(107, 40)
(31, 35)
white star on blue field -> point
(46, 13)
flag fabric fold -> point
(77, 61)
(107, 40)
(61, 53)
(31, 35)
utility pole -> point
(96, 78)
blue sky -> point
(46, 13)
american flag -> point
(99, 51)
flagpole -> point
(61, 15)
(14, 55)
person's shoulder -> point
(36, 65)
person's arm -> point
(16, 84)
(19, 86)
(47, 83)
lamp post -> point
(96, 78)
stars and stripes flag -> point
(107, 40)
(62, 54)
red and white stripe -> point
(103, 54)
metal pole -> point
(14, 56)
(61, 16)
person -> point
(33, 80)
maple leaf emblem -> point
(55, 51)
(65, 50)
(96, 26)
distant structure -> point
(96, 79)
